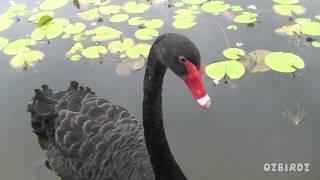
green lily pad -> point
(289, 10)
(77, 47)
(286, 1)
(44, 20)
(76, 57)
(154, 23)
(90, 14)
(284, 62)
(311, 29)
(18, 46)
(183, 23)
(36, 17)
(119, 18)
(232, 68)
(138, 20)
(246, 18)
(49, 5)
(3, 42)
(146, 34)
(236, 8)
(134, 7)
(110, 9)
(215, 7)
(194, 1)
(139, 50)
(120, 46)
(186, 12)
(16, 10)
(315, 44)
(75, 29)
(233, 53)
(178, 4)
(50, 30)
(302, 21)
(232, 27)
(5, 23)
(94, 52)
(104, 33)
(26, 58)
(86, 2)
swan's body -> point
(90, 138)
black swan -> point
(89, 138)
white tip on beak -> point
(204, 102)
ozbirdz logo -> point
(286, 167)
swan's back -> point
(88, 137)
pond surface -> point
(246, 129)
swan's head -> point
(181, 55)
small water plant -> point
(295, 117)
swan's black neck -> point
(163, 163)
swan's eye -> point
(182, 59)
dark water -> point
(231, 141)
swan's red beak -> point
(194, 81)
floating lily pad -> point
(134, 7)
(186, 12)
(233, 53)
(178, 4)
(123, 68)
(146, 34)
(3, 42)
(49, 5)
(286, 1)
(215, 7)
(232, 27)
(103, 33)
(110, 9)
(289, 10)
(75, 29)
(26, 58)
(236, 8)
(94, 52)
(254, 61)
(119, 18)
(315, 44)
(18, 46)
(36, 17)
(137, 64)
(16, 10)
(5, 23)
(290, 30)
(311, 29)
(138, 20)
(87, 1)
(154, 23)
(184, 23)
(284, 62)
(76, 48)
(50, 30)
(232, 68)
(120, 46)
(302, 21)
(246, 18)
(76, 57)
(194, 1)
(139, 50)
(44, 20)
(90, 14)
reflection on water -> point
(233, 141)
(295, 117)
